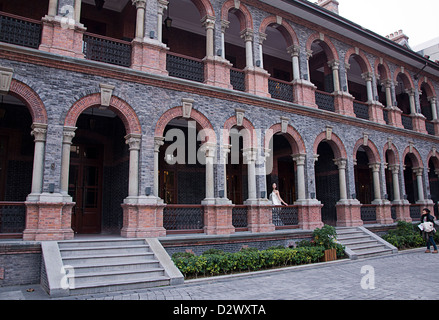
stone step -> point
(99, 243)
(108, 258)
(93, 250)
(115, 266)
(90, 278)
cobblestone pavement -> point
(411, 275)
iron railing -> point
(407, 121)
(393, 210)
(325, 101)
(361, 110)
(237, 79)
(12, 217)
(108, 50)
(239, 217)
(183, 218)
(386, 116)
(281, 90)
(285, 216)
(20, 31)
(185, 67)
(430, 127)
(415, 212)
(368, 213)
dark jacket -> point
(427, 218)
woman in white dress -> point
(275, 197)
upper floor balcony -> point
(187, 39)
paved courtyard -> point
(410, 275)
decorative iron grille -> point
(386, 116)
(407, 122)
(12, 217)
(183, 217)
(415, 212)
(280, 90)
(361, 110)
(368, 213)
(239, 216)
(185, 67)
(285, 216)
(393, 210)
(237, 79)
(325, 101)
(20, 31)
(430, 127)
(107, 50)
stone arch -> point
(284, 28)
(296, 142)
(385, 68)
(428, 86)
(360, 57)
(177, 112)
(325, 43)
(414, 155)
(204, 7)
(334, 141)
(433, 156)
(117, 105)
(250, 137)
(406, 78)
(370, 148)
(33, 102)
(394, 155)
(243, 14)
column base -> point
(349, 213)
(310, 214)
(143, 217)
(344, 103)
(384, 213)
(260, 216)
(394, 116)
(402, 210)
(419, 123)
(149, 56)
(376, 112)
(256, 81)
(48, 218)
(305, 93)
(217, 72)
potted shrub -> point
(326, 237)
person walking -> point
(428, 231)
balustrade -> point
(103, 49)
(20, 31)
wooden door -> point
(85, 186)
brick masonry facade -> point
(57, 90)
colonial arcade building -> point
(150, 117)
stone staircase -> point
(102, 265)
(361, 243)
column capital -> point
(375, 167)
(247, 34)
(224, 25)
(294, 50)
(39, 131)
(394, 168)
(209, 149)
(250, 154)
(334, 64)
(208, 22)
(139, 4)
(262, 37)
(133, 140)
(68, 135)
(158, 142)
(418, 171)
(341, 163)
(367, 76)
(299, 159)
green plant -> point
(325, 237)
(405, 236)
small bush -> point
(405, 236)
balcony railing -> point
(430, 127)
(281, 90)
(185, 67)
(285, 217)
(237, 79)
(407, 121)
(361, 110)
(368, 213)
(20, 31)
(12, 218)
(239, 217)
(325, 101)
(183, 218)
(415, 212)
(108, 50)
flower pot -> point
(330, 255)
